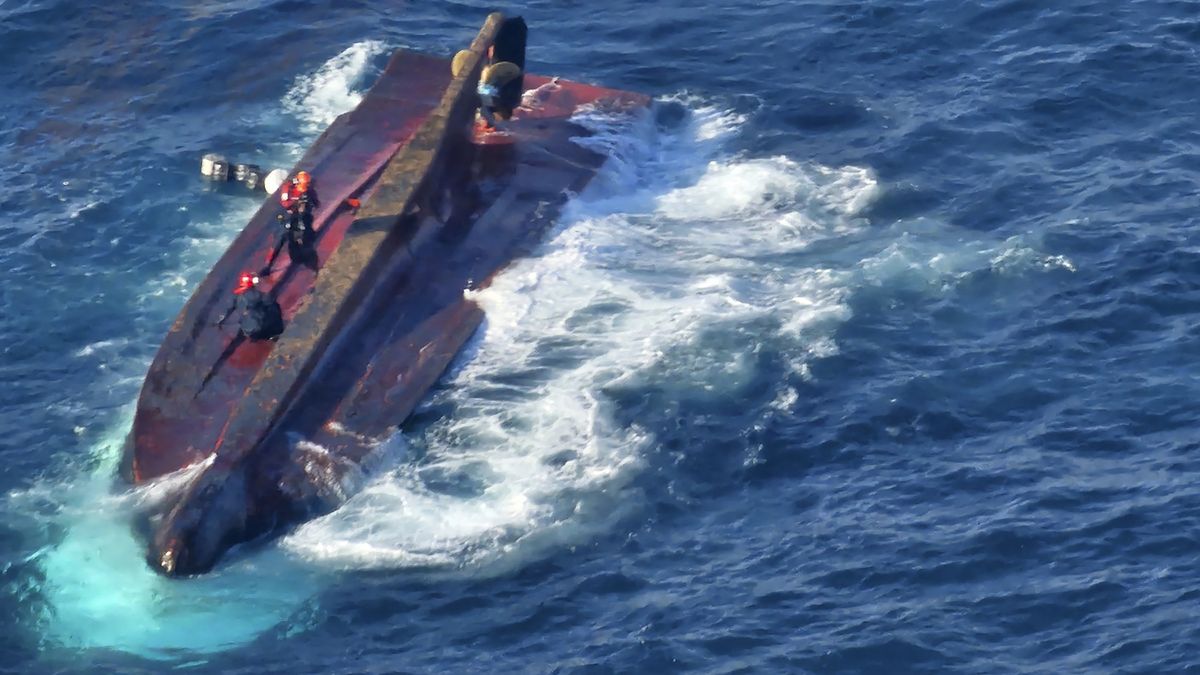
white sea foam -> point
(335, 88)
(930, 257)
(99, 591)
(655, 276)
(679, 264)
(96, 587)
(102, 346)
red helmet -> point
(245, 283)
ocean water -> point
(872, 350)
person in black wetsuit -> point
(298, 199)
(262, 317)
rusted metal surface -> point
(358, 265)
(180, 415)
(385, 315)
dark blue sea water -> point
(874, 349)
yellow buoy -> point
(460, 62)
(500, 73)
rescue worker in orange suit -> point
(298, 197)
(261, 316)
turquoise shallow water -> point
(872, 350)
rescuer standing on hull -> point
(372, 334)
(298, 197)
(262, 317)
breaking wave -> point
(663, 253)
(680, 263)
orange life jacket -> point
(290, 196)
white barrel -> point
(208, 164)
(274, 179)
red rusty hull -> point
(201, 371)
(366, 336)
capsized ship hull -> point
(370, 331)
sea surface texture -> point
(874, 349)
